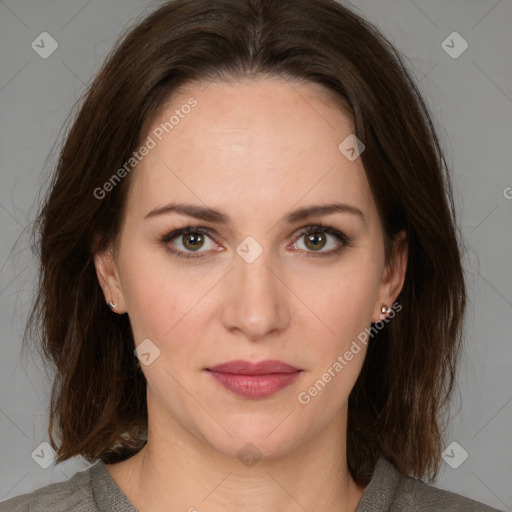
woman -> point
(242, 287)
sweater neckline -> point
(108, 496)
(380, 492)
(377, 497)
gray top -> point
(94, 490)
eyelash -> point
(343, 239)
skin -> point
(255, 150)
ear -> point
(108, 277)
(393, 276)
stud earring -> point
(112, 305)
(385, 310)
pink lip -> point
(255, 380)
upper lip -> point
(248, 368)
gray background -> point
(471, 100)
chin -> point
(252, 440)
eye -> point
(317, 237)
(186, 241)
(190, 239)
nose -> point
(256, 301)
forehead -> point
(245, 146)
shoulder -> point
(74, 494)
(413, 494)
(399, 493)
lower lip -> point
(255, 386)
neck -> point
(181, 472)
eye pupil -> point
(193, 241)
(313, 238)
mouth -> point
(254, 380)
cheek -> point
(151, 302)
(345, 298)
(164, 303)
(345, 307)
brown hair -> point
(98, 399)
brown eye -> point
(315, 240)
(192, 241)
(187, 241)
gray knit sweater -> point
(94, 490)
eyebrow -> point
(215, 216)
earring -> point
(385, 310)
(112, 305)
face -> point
(258, 281)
